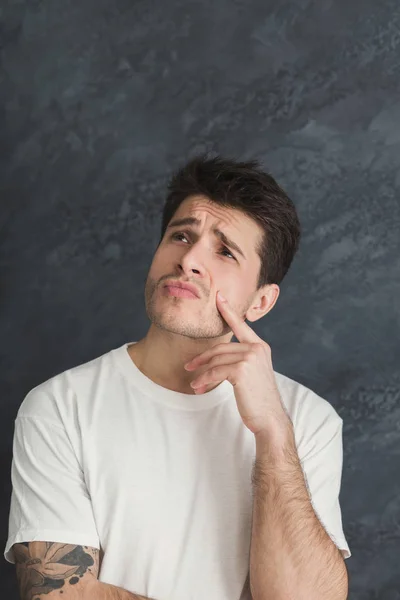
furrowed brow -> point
(195, 224)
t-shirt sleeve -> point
(49, 499)
(322, 466)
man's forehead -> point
(227, 215)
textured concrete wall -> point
(101, 99)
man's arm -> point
(291, 554)
(44, 569)
(96, 590)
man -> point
(127, 480)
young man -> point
(127, 480)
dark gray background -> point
(101, 100)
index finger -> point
(242, 331)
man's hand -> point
(247, 365)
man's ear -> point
(264, 300)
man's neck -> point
(154, 370)
(162, 358)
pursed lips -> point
(190, 287)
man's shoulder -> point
(44, 399)
(304, 404)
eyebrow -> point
(195, 223)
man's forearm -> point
(291, 554)
(98, 590)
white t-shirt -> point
(160, 480)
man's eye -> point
(175, 236)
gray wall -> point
(101, 99)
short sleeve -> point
(49, 500)
(322, 467)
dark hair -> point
(246, 187)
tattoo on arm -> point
(44, 567)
